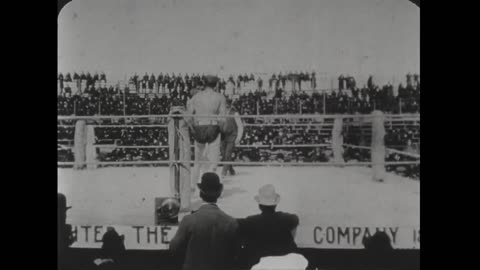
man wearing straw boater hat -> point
(206, 130)
(269, 233)
(207, 238)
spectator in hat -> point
(64, 230)
(60, 79)
(207, 239)
(68, 77)
(341, 82)
(103, 77)
(259, 83)
(269, 233)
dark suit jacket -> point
(206, 239)
(267, 234)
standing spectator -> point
(171, 85)
(103, 77)
(239, 82)
(75, 76)
(60, 79)
(230, 79)
(299, 79)
(294, 79)
(89, 79)
(341, 81)
(416, 80)
(207, 239)
(302, 76)
(277, 83)
(245, 79)
(409, 80)
(313, 81)
(135, 81)
(144, 81)
(353, 83)
(68, 78)
(64, 233)
(166, 81)
(370, 84)
(270, 82)
(259, 83)
(151, 82)
(282, 79)
(160, 82)
(95, 77)
(270, 233)
(188, 83)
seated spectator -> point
(112, 251)
(269, 233)
(378, 250)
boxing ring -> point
(337, 202)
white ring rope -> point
(241, 146)
(413, 155)
(387, 149)
(319, 117)
(130, 126)
(246, 163)
(403, 117)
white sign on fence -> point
(320, 236)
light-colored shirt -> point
(291, 261)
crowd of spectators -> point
(113, 101)
(347, 99)
(170, 83)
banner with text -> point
(321, 237)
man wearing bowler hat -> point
(206, 130)
(64, 232)
(206, 239)
(269, 233)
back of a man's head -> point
(210, 187)
(211, 81)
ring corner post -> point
(378, 151)
(80, 145)
(179, 145)
(337, 141)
